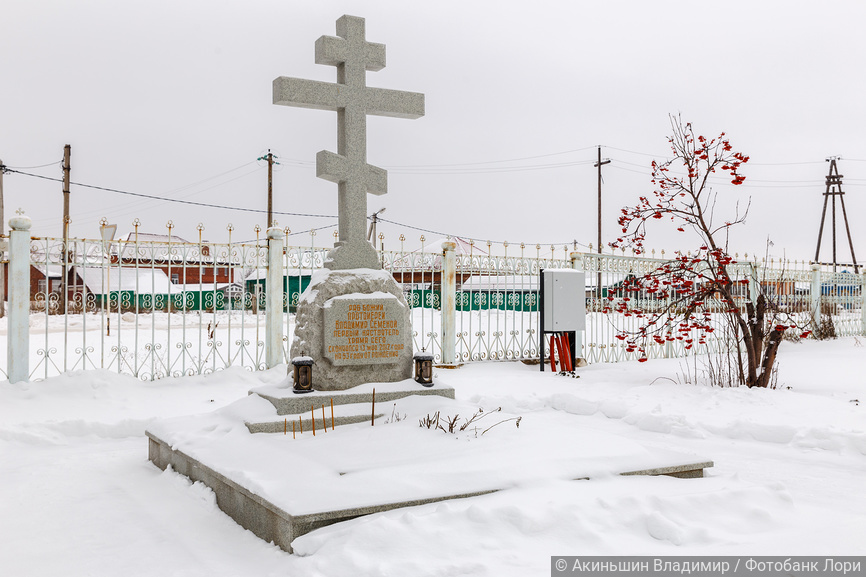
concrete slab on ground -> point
(282, 487)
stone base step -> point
(305, 427)
(287, 402)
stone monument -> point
(352, 319)
(353, 325)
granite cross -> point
(353, 100)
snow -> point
(142, 281)
(80, 498)
(359, 296)
(361, 466)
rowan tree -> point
(677, 301)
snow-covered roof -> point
(100, 280)
(149, 246)
(151, 237)
(432, 259)
(50, 270)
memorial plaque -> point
(363, 330)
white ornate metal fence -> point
(148, 308)
(155, 306)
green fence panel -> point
(293, 286)
(185, 301)
(521, 301)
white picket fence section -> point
(158, 307)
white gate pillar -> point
(754, 287)
(274, 299)
(577, 264)
(18, 333)
(815, 294)
(449, 304)
(863, 304)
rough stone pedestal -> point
(355, 325)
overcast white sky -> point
(158, 95)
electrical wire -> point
(493, 170)
(750, 164)
(492, 161)
(30, 167)
(254, 210)
(444, 169)
(309, 230)
(175, 200)
(456, 169)
(484, 240)
(634, 152)
(179, 189)
(749, 182)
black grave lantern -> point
(303, 374)
(424, 369)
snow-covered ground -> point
(80, 498)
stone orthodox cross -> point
(353, 100)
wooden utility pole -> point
(3, 251)
(67, 152)
(270, 189)
(834, 189)
(598, 165)
(271, 160)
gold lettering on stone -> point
(363, 331)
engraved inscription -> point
(363, 331)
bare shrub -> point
(449, 424)
(824, 327)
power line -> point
(484, 240)
(480, 168)
(784, 163)
(493, 170)
(39, 166)
(130, 206)
(455, 169)
(216, 176)
(493, 161)
(309, 230)
(175, 200)
(748, 183)
(750, 164)
(634, 151)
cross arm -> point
(335, 51)
(336, 169)
(394, 103)
(306, 93)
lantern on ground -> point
(302, 374)
(424, 369)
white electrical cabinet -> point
(564, 300)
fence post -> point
(274, 299)
(815, 293)
(754, 287)
(449, 304)
(863, 304)
(18, 333)
(577, 264)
